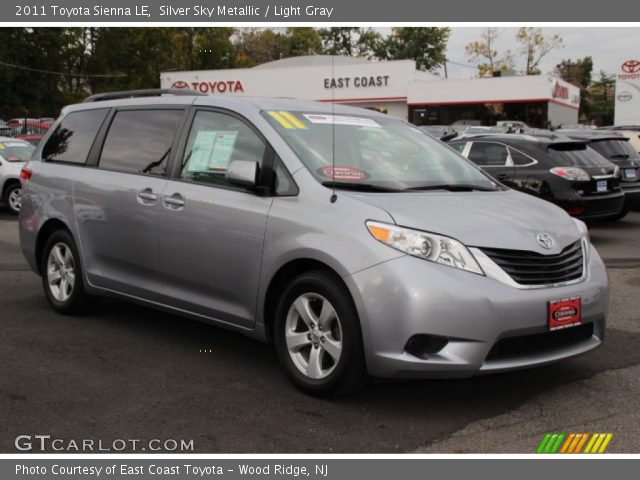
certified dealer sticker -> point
(564, 313)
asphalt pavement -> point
(128, 372)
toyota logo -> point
(625, 96)
(180, 85)
(545, 241)
(631, 66)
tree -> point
(485, 49)
(370, 43)
(602, 99)
(426, 45)
(535, 46)
(302, 41)
(254, 46)
(340, 40)
(212, 48)
(41, 70)
(578, 73)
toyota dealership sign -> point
(627, 109)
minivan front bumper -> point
(408, 297)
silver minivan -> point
(357, 244)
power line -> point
(63, 74)
(461, 64)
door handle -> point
(147, 196)
(502, 176)
(174, 201)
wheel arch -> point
(282, 277)
(46, 230)
(7, 183)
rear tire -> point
(61, 273)
(13, 198)
(317, 336)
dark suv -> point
(561, 170)
(617, 149)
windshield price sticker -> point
(341, 120)
(343, 173)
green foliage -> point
(426, 45)
(602, 99)
(68, 64)
(578, 73)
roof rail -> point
(152, 92)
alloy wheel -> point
(313, 335)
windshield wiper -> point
(363, 187)
(455, 187)
(620, 155)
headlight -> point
(428, 246)
(573, 174)
(584, 233)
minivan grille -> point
(531, 268)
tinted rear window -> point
(139, 141)
(582, 157)
(72, 139)
(614, 149)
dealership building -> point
(394, 87)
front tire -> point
(62, 275)
(13, 198)
(317, 336)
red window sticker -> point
(564, 313)
(343, 173)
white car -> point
(14, 154)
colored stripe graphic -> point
(550, 443)
(605, 442)
(592, 441)
(567, 443)
(574, 443)
(557, 444)
(293, 120)
(581, 443)
(543, 443)
(281, 120)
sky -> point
(608, 46)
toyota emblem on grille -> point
(545, 240)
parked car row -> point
(29, 129)
(591, 174)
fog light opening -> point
(422, 346)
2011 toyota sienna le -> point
(355, 242)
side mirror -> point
(243, 173)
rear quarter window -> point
(72, 139)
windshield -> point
(614, 148)
(373, 151)
(16, 151)
(581, 156)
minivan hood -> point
(502, 219)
